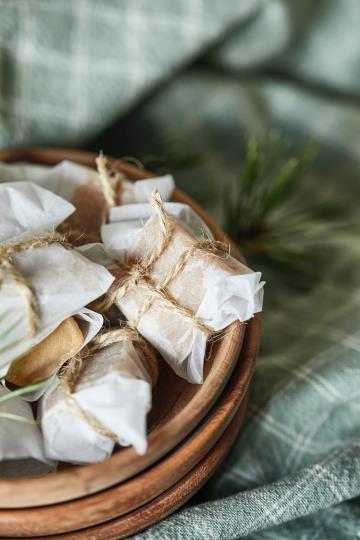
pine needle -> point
(269, 215)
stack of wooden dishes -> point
(191, 428)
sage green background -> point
(190, 78)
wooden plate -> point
(178, 406)
(168, 502)
(160, 507)
(132, 494)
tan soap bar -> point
(45, 360)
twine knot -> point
(8, 268)
(111, 182)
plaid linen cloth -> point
(190, 78)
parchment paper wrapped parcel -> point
(213, 289)
(81, 186)
(90, 323)
(61, 280)
(114, 388)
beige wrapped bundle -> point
(177, 290)
(100, 400)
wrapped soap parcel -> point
(91, 192)
(178, 290)
(46, 358)
(43, 283)
(101, 399)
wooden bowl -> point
(169, 501)
(128, 498)
(178, 406)
(162, 506)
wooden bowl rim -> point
(164, 504)
(83, 480)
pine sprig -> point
(262, 186)
(270, 215)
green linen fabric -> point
(188, 79)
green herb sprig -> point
(271, 214)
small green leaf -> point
(268, 210)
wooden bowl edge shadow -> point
(126, 497)
(92, 478)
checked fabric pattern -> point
(190, 78)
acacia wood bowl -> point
(178, 407)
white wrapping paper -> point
(218, 294)
(67, 177)
(133, 218)
(115, 388)
(140, 191)
(26, 207)
(62, 179)
(142, 212)
(19, 440)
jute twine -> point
(8, 268)
(138, 275)
(69, 376)
(111, 186)
(111, 181)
